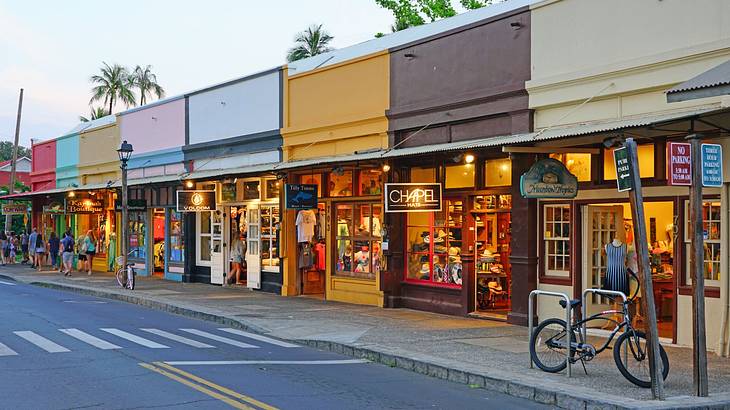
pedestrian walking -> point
(238, 252)
(90, 245)
(4, 248)
(81, 252)
(54, 245)
(24, 245)
(31, 247)
(40, 251)
(13, 247)
(67, 255)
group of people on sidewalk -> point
(54, 252)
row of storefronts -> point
(295, 163)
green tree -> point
(112, 85)
(145, 81)
(96, 113)
(310, 42)
(410, 13)
(6, 151)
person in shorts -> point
(31, 247)
(40, 251)
(81, 250)
(90, 246)
(67, 253)
(24, 245)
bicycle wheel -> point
(120, 277)
(632, 358)
(549, 345)
(131, 279)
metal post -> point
(124, 217)
(647, 289)
(11, 188)
(584, 309)
(568, 322)
(696, 259)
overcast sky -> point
(50, 48)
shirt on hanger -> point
(305, 225)
(319, 250)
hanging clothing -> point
(306, 219)
(616, 274)
(319, 250)
(306, 258)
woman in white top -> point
(238, 253)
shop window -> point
(177, 244)
(312, 179)
(557, 240)
(646, 162)
(340, 183)
(578, 164)
(137, 235)
(251, 190)
(434, 246)
(371, 182)
(204, 229)
(423, 174)
(269, 238)
(460, 176)
(272, 188)
(711, 223)
(228, 191)
(498, 172)
(359, 236)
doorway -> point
(602, 223)
(158, 241)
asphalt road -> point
(61, 350)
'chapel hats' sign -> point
(195, 201)
(412, 197)
(84, 206)
(548, 178)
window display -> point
(711, 223)
(312, 179)
(269, 238)
(578, 164)
(359, 235)
(498, 172)
(272, 188)
(493, 236)
(251, 190)
(371, 182)
(177, 244)
(340, 183)
(460, 176)
(646, 162)
(435, 245)
(137, 234)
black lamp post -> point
(125, 152)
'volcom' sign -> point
(412, 197)
(548, 178)
(195, 201)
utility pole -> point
(696, 259)
(11, 189)
(647, 289)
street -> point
(61, 350)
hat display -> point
(425, 268)
(454, 251)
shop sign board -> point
(133, 205)
(195, 201)
(548, 178)
(711, 165)
(680, 163)
(54, 208)
(413, 197)
(84, 206)
(15, 209)
(623, 169)
(300, 196)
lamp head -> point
(125, 151)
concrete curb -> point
(547, 392)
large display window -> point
(177, 242)
(359, 240)
(269, 238)
(711, 223)
(137, 235)
(435, 245)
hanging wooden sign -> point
(548, 178)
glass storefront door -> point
(492, 242)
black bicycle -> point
(549, 344)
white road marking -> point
(6, 351)
(258, 337)
(95, 302)
(220, 339)
(42, 342)
(265, 362)
(136, 339)
(181, 339)
(92, 340)
(6, 283)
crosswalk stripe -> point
(220, 338)
(136, 339)
(257, 337)
(180, 339)
(6, 351)
(42, 342)
(92, 340)
(7, 283)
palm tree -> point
(146, 83)
(309, 42)
(96, 113)
(111, 86)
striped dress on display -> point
(616, 275)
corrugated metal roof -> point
(405, 36)
(719, 75)
(100, 122)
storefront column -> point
(523, 256)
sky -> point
(51, 48)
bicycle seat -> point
(573, 303)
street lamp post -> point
(124, 151)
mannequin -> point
(616, 273)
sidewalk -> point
(481, 353)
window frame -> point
(199, 243)
(551, 273)
(168, 237)
(352, 237)
(710, 283)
